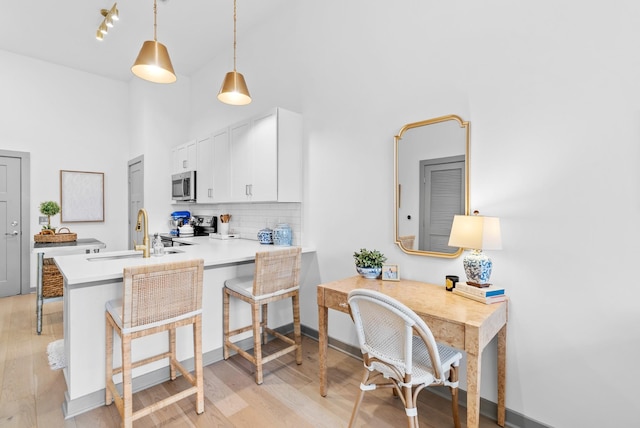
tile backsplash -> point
(247, 219)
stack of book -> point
(487, 295)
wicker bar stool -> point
(276, 277)
(156, 298)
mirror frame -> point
(397, 188)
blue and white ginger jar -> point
(265, 236)
(282, 235)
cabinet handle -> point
(210, 193)
(184, 164)
(343, 305)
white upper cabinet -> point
(185, 157)
(221, 166)
(240, 160)
(266, 158)
(204, 170)
(256, 160)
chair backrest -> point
(386, 330)
(407, 241)
(276, 271)
(161, 292)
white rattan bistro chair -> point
(276, 277)
(156, 298)
(399, 351)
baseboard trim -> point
(77, 406)
(488, 408)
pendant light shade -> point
(234, 89)
(153, 62)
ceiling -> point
(63, 32)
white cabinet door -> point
(241, 160)
(204, 170)
(264, 151)
(221, 166)
(185, 157)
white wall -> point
(160, 116)
(551, 90)
(67, 120)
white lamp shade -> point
(475, 232)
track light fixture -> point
(110, 15)
(153, 62)
(234, 89)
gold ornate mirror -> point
(431, 184)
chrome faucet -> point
(142, 215)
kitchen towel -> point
(55, 353)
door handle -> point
(14, 233)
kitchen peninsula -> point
(90, 280)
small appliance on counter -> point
(204, 225)
(177, 220)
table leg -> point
(39, 294)
(474, 364)
(502, 373)
(323, 313)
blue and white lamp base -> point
(477, 267)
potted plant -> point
(49, 208)
(369, 262)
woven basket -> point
(52, 281)
(51, 236)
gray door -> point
(10, 227)
(136, 197)
(441, 197)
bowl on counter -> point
(186, 231)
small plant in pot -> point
(49, 208)
(369, 262)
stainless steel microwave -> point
(183, 186)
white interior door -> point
(10, 226)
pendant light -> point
(234, 89)
(153, 62)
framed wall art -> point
(81, 196)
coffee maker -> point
(204, 225)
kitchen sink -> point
(136, 255)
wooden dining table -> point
(454, 320)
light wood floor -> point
(32, 394)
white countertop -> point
(79, 269)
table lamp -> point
(476, 233)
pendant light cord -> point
(155, 24)
(234, 35)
